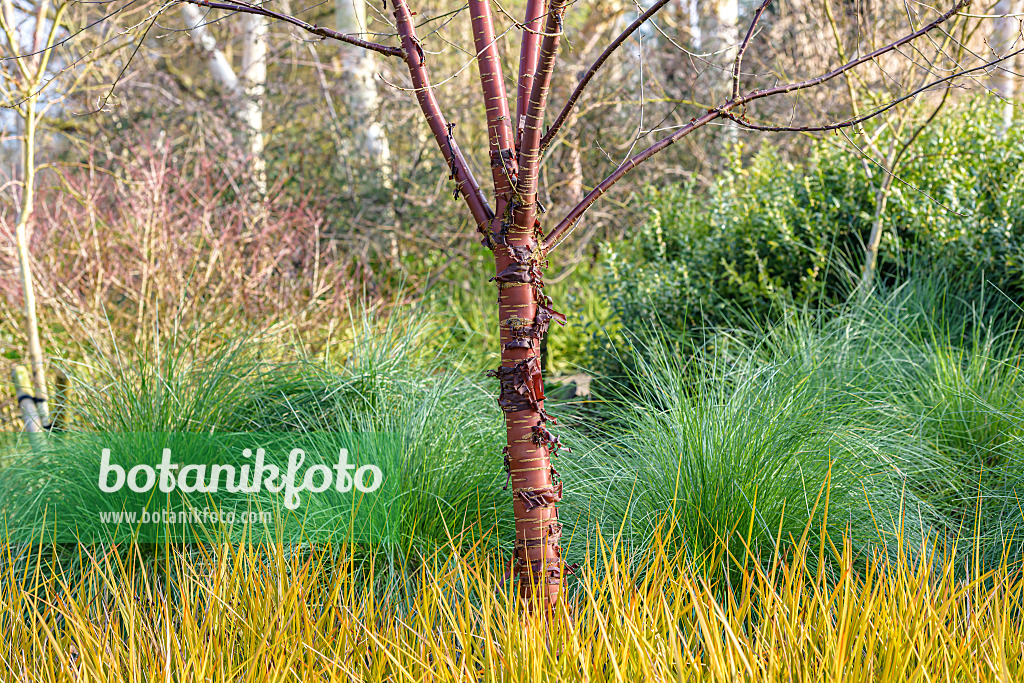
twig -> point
(860, 119)
(246, 8)
(725, 111)
(743, 48)
(592, 71)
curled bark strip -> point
(549, 539)
(523, 336)
(552, 535)
(536, 498)
(453, 165)
(504, 158)
(545, 314)
(519, 343)
(522, 254)
(518, 273)
(551, 575)
(547, 574)
(537, 566)
(543, 437)
(519, 385)
(514, 322)
(508, 467)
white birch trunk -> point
(1005, 38)
(204, 42)
(22, 235)
(246, 91)
(361, 96)
(24, 97)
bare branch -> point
(529, 52)
(725, 111)
(552, 238)
(246, 8)
(592, 71)
(439, 126)
(743, 48)
(818, 80)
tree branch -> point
(552, 239)
(245, 8)
(529, 52)
(592, 71)
(741, 121)
(818, 80)
(743, 48)
(492, 81)
(439, 126)
(529, 143)
(577, 211)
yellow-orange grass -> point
(273, 614)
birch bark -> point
(1005, 38)
(246, 93)
(361, 95)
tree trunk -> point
(23, 393)
(204, 42)
(1005, 39)
(245, 93)
(524, 314)
(361, 96)
(875, 238)
(254, 82)
(29, 120)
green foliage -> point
(769, 233)
(385, 375)
(906, 412)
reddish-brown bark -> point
(524, 314)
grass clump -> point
(903, 411)
(386, 377)
(265, 614)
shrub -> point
(770, 233)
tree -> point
(245, 91)
(360, 89)
(1006, 34)
(22, 87)
(512, 228)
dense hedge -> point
(770, 232)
